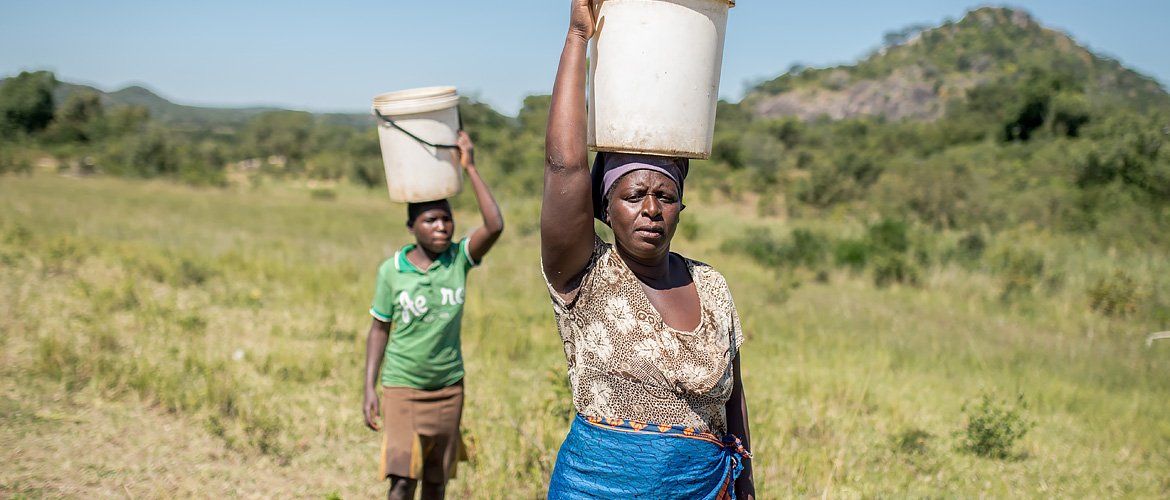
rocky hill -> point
(919, 69)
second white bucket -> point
(654, 76)
(417, 172)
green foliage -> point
(804, 248)
(1118, 295)
(324, 194)
(889, 235)
(970, 248)
(13, 161)
(912, 441)
(281, 133)
(852, 253)
(148, 155)
(559, 402)
(890, 268)
(993, 427)
(79, 119)
(26, 103)
(845, 178)
(1021, 271)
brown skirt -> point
(421, 438)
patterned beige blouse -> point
(625, 362)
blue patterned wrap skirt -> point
(614, 458)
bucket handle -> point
(417, 138)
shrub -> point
(971, 247)
(852, 253)
(807, 248)
(912, 441)
(993, 427)
(889, 269)
(1022, 271)
(325, 194)
(191, 273)
(758, 244)
(1115, 296)
(889, 235)
(688, 229)
(12, 162)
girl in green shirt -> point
(413, 349)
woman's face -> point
(432, 230)
(643, 212)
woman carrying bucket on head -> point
(651, 338)
(414, 348)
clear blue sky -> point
(335, 56)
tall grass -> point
(243, 311)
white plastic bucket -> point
(654, 76)
(417, 172)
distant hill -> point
(167, 112)
(920, 68)
(913, 76)
(162, 109)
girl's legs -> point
(402, 488)
(433, 491)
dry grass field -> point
(161, 341)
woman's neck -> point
(661, 272)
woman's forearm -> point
(737, 424)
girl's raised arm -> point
(484, 237)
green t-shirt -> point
(426, 309)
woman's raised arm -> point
(566, 217)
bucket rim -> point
(730, 3)
(420, 100)
(417, 93)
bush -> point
(971, 247)
(806, 248)
(891, 268)
(1022, 270)
(324, 194)
(993, 427)
(912, 441)
(852, 253)
(889, 235)
(758, 244)
(1116, 296)
(12, 162)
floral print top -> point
(625, 362)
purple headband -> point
(609, 167)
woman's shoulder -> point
(704, 272)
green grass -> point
(239, 315)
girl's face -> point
(432, 230)
(644, 207)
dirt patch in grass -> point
(86, 447)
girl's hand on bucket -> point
(581, 19)
(466, 150)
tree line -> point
(1033, 149)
